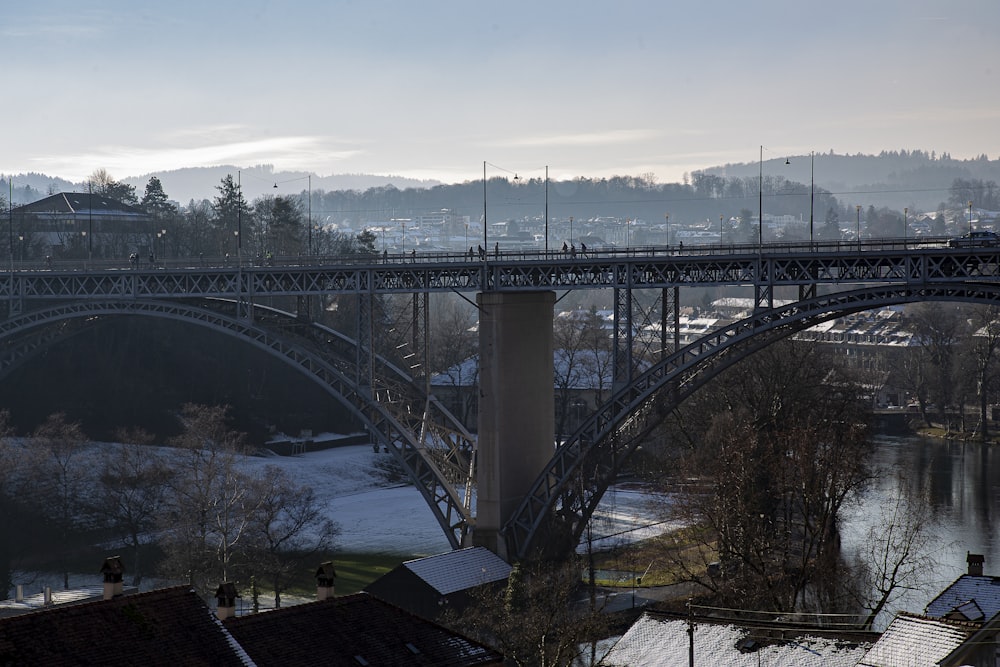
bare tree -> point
(454, 353)
(11, 513)
(940, 328)
(778, 445)
(583, 363)
(893, 558)
(132, 492)
(536, 620)
(209, 508)
(287, 528)
(985, 339)
(59, 476)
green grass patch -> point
(656, 559)
(354, 572)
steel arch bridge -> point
(435, 450)
(552, 517)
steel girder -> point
(655, 268)
(431, 445)
(553, 515)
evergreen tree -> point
(155, 202)
(229, 208)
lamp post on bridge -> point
(10, 217)
(90, 225)
(857, 207)
(760, 201)
(970, 219)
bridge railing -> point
(436, 256)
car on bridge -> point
(978, 239)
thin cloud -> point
(282, 152)
(588, 139)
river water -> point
(960, 483)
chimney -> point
(112, 569)
(975, 562)
(324, 580)
(225, 597)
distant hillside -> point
(183, 185)
(894, 179)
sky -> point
(441, 89)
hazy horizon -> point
(430, 91)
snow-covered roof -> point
(460, 570)
(983, 590)
(916, 640)
(656, 640)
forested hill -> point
(893, 179)
(918, 180)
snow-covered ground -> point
(374, 516)
(378, 517)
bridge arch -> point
(552, 517)
(433, 448)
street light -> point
(486, 244)
(760, 201)
(10, 214)
(546, 209)
(858, 209)
(812, 192)
(239, 217)
(970, 219)
(905, 211)
(90, 224)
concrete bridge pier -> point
(516, 406)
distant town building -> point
(80, 224)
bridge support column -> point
(516, 406)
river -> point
(960, 482)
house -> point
(169, 627)
(666, 639)
(429, 586)
(353, 630)
(959, 628)
(81, 224)
(918, 640)
(174, 626)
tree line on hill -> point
(922, 183)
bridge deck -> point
(632, 268)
